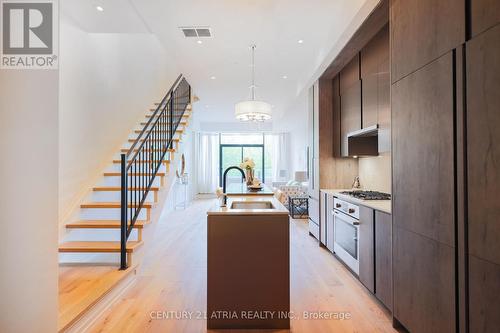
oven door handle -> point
(345, 218)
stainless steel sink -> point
(252, 205)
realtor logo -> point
(29, 34)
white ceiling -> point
(275, 26)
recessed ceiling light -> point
(300, 41)
(99, 8)
(199, 42)
(212, 78)
(285, 77)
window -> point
(236, 147)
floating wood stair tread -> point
(143, 161)
(180, 130)
(112, 205)
(97, 247)
(101, 224)
(118, 188)
(187, 106)
(144, 123)
(184, 115)
(163, 131)
(156, 140)
(117, 173)
(188, 110)
(170, 150)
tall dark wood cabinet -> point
(484, 14)
(483, 175)
(446, 164)
(422, 31)
(423, 198)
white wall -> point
(28, 200)
(108, 81)
(294, 121)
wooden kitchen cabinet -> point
(372, 55)
(424, 198)
(350, 114)
(366, 248)
(349, 75)
(336, 128)
(484, 14)
(375, 80)
(383, 258)
(423, 146)
(483, 140)
(350, 102)
(422, 31)
(424, 283)
(483, 175)
(484, 288)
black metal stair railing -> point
(140, 165)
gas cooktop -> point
(368, 195)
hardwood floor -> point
(81, 286)
(172, 283)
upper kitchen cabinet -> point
(484, 15)
(423, 30)
(375, 78)
(350, 102)
(349, 75)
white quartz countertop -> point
(380, 205)
(278, 209)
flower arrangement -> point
(247, 164)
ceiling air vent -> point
(196, 32)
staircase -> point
(128, 191)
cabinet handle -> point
(351, 210)
(338, 205)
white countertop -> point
(380, 205)
(278, 209)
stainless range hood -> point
(363, 142)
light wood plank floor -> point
(81, 286)
(173, 278)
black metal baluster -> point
(140, 165)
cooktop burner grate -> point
(368, 195)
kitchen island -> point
(248, 264)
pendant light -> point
(252, 110)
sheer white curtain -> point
(208, 162)
(278, 147)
